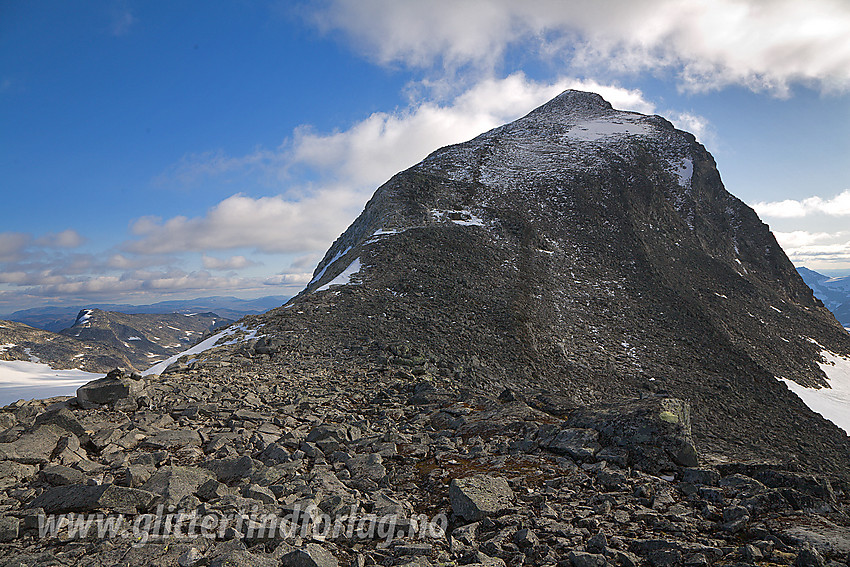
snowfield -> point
(833, 403)
(20, 379)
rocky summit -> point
(559, 343)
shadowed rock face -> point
(586, 252)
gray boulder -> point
(173, 438)
(11, 473)
(656, 430)
(34, 448)
(576, 442)
(367, 466)
(85, 498)
(9, 528)
(581, 559)
(311, 555)
(175, 483)
(476, 497)
(59, 475)
(114, 388)
(229, 470)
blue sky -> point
(155, 151)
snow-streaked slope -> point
(205, 345)
(834, 402)
(20, 379)
(345, 277)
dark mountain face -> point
(587, 253)
(22, 342)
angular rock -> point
(86, 498)
(701, 477)
(9, 528)
(367, 466)
(476, 497)
(173, 438)
(311, 555)
(656, 430)
(809, 557)
(34, 448)
(175, 483)
(62, 418)
(261, 493)
(11, 473)
(576, 442)
(114, 388)
(336, 431)
(582, 559)
(58, 475)
(242, 558)
(230, 470)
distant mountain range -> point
(99, 341)
(834, 292)
(52, 318)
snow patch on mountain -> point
(683, 169)
(207, 344)
(345, 277)
(463, 217)
(321, 273)
(833, 402)
(594, 130)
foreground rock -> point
(116, 389)
(477, 497)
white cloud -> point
(270, 224)
(66, 239)
(816, 250)
(150, 284)
(764, 45)
(12, 245)
(791, 208)
(799, 238)
(122, 20)
(298, 279)
(231, 263)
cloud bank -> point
(838, 206)
(763, 45)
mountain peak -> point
(573, 102)
(581, 250)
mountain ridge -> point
(57, 318)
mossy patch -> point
(669, 417)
